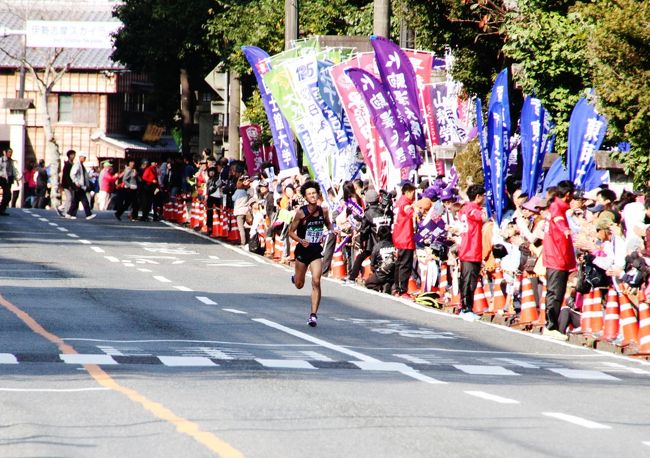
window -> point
(134, 102)
(65, 108)
(78, 108)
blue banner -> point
(534, 126)
(485, 159)
(555, 174)
(594, 178)
(282, 136)
(586, 133)
(497, 149)
(500, 95)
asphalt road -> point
(141, 339)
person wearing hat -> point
(107, 180)
(81, 185)
(373, 219)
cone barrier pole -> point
(480, 304)
(612, 316)
(628, 321)
(528, 306)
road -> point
(142, 339)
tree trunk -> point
(234, 115)
(52, 154)
(188, 106)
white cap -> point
(82, 153)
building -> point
(98, 106)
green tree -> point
(166, 38)
(619, 54)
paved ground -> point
(140, 339)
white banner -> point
(68, 34)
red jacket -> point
(150, 175)
(471, 242)
(558, 251)
(403, 229)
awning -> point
(120, 147)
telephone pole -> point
(381, 18)
(291, 15)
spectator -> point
(403, 233)
(382, 262)
(41, 185)
(81, 186)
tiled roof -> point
(53, 10)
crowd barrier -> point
(610, 320)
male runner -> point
(307, 228)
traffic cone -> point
(644, 328)
(528, 306)
(413, 289)
(278, 248)
(593, 314)
(480, 304)
(269, 244)
(203, 220)
(233, 234)
(194, 214)
(628, 321)
(498, 298)
(338, 266)
(366, 269)
(611, 315)
(585, 315)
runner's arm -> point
(293, 227)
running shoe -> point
(92, 216)
(313, 320)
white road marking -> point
(232, 264)
(128, 264)
(178, 262)
(285, 364)
(381, 366)
(35, 216)
(412, 359)
(634, 370)
(53, 224)
(422, 378)
(111, 351)
(646, 443)
(112, 258)
(213, 257)
(517, 362)
(186, 361)
(484, 370)
(576, 420)
(85, 242)
(183, 288)
(583, 375)
(144, 270)
(62, 229)
(74, 236)
(43, 219)
(206, 300)
(316, 340)
(162, 279)
(8, 358)
(53, 390)
(235, 311)
(492, 397)
(96, 249)
(315, 356)
(87, 359)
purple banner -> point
(282, 136)
(399, 78)
(384, 115)
(498, 154)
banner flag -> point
(446, 122)
(370, 145)
(500, 95)
(498, 154)
(485, 158)
(535, 126)
(385, 117)
(593, 177)
(555, 174)
(282, 136)
(586, 133)
(251, 136)
(399, 79)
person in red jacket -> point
(147, 188)
(470, 253)
(403, 232)
(558, 254)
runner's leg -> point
(316, 268)
(299, 274)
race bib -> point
(314, 234)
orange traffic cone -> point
(611, 315)
(498, 298)
(278, 248)
(480, 304)
(194, 214)
(413, 289)
(528, 305)
(595, 313)
(338, 266)
(628, 322)
(366, 271)
(542, 307)
(644, 327)
(585, 316)
(233, 235)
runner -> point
(307, 228)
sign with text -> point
(70, 34)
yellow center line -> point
(181, 424)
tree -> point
(167, 39)
(619, 55)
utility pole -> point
(381, 18)
(234, 114)
(291, 15)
